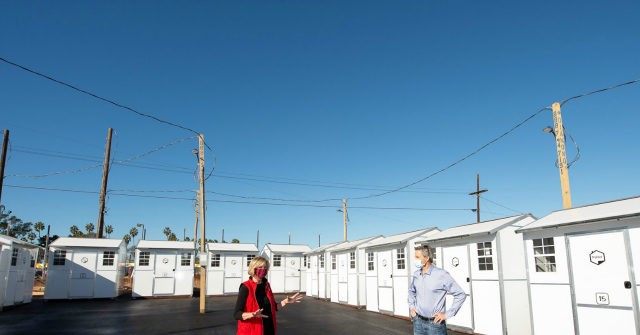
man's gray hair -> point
(426, 251)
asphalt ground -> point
(181, 316)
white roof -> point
(12, 240)
(354, 244)
(481, 228)
(288, 248)
(320, 249)
(69, 242)
(401, 238)
(232, 247)
(591, 213)
(149, 244)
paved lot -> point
(180, 316)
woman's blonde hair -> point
(257, 262)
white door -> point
(164, 273)
(314, 276)
(292, 274)
(456, 261)
(82, 274)
(343, 278)
(23, 263)
(385, 281)
(602, 284)
(232, 273)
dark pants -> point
(428, 327)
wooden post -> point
(203, 272)
(105, 177)
(344, 217)
(562, 155)
(477, 194)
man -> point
(427, 291)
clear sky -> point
(313, 100)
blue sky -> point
(310, 100)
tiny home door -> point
(314, 275)
(343, 278)
(232, 272)
(602, 283)
(292, 273)
(19, 274)
(164, 272)
(82, 272)
(455, 260)
(385, 281)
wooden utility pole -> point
(477, 194)
(344, 217)
(3, 158)
(105, 177)
(203, 272)
(258, 239)
(562, 155)
(195, 221)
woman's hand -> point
(256, 314)
(292, 299)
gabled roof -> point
(248, 247)
(617, 209)
(66, 242)
(354, 244)
(481, 228)
(180, 245)
(288, 248)
(4, 239)
(401, 238)
(321, 249)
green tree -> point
(75, 231)
(133, 232)
(167, 232)
(172, 237)
(90, 228)
(126, 238)
(38, 226)
(187, 239)
(235, 240)
(31, 236)
(17, 228)
(109, 230)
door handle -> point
(468, 280)
(391, 276)
(627, 284)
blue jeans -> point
(428, 327)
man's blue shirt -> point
(428, 290)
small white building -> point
(285, 273)
(318, 275)
(17, 271)
(348, 270)
(82, 268)
(389, 271)
(583, 267)
(228, 266)
(163, 268)
(487, 260)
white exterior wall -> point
(371, 282)
(230, 273)
(164, 275)
(312, 276)
(454, 258)
(287, 277)
(16, 281)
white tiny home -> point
(348, 270)
(389, 270)
(83, 268)
(228, 266)
(318, 275)
(487, 260)
(163, 268)
(17, 271)
(583, 269)
(285, 273)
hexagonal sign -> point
(597, 257)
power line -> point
(497, 204)
(599, 91)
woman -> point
(256, 307)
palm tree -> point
(235, 240)
(75, 231)
(108, 229)
(38, 226)
(172, 237)
(126, 238)
(167, 232)
(133, 232)
(89, 227)
(31, 236)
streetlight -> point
(144, 230)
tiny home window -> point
(277, 260)
(249, 258)
(33, 261)
(545, 254)
(370, 265)
(322, 261)
(215, 261)
(108, 257)
(485, 261)
(14, 257)
(185, 259)
(59, 256)
(352, 260)
(433, 256)
(143, 260)
(400, 261)
(304, 259)
(333, 262)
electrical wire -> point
(503, 206)
(599, 91)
